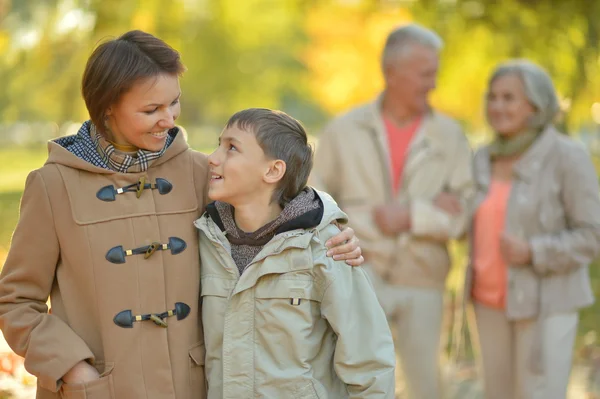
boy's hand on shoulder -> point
(344, 246)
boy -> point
(285, 321)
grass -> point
(16, 164)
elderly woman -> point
(535, 231)
(106, 232)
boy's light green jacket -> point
(296, 324)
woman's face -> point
(144, 114)
(508, 109)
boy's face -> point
(239, 170)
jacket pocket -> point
(288, 303)
(291, 290)
(293, 305)
(102, 388)
(197, 378)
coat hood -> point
(330, 213)
(63, 150)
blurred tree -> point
(238, 54)
(308, 57)
(243, 54)
(478, 34)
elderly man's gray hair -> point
(538, 86)
(401, 39)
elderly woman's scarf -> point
(506, 147)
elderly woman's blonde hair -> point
(538, 87)
(402, 38)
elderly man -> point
(402, 172)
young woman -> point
(106, 231)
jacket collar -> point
(530, 163)
(280, 245)
(428, 138)
(373, 119)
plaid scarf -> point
(89, 145)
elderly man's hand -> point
(448, 202)
(392, 218)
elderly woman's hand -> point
(515, 251)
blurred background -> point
(310, 58)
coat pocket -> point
(286, 295)
(102, 388)
(197, 377)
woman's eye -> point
(232, 147)
(175, 102)
(151, 111)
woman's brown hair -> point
(116, 65)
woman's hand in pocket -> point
(81, 373)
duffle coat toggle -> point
(126, 318)
(117, 254)
(109, 193)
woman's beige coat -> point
(555, 205)
(70, 245)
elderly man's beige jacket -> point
(352, 163)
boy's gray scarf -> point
(245, 246)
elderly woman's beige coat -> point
(555, 205)
(61, 249)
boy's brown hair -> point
(116, 65)
(281, 137)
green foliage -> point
(266, 53)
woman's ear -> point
(275, 172)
